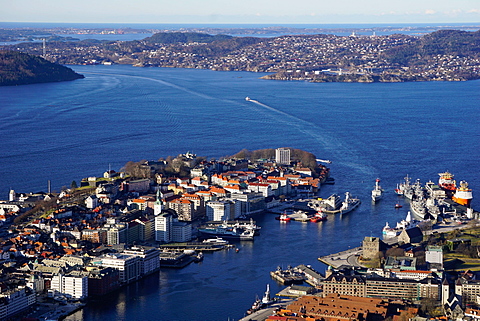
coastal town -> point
(60, 249)
(444, 55)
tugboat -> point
(262, 303)
(377, 191)
(319, 217)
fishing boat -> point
(377, 191)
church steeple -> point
(158, 206)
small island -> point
(18, 68)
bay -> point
(70, 130)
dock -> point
(196, 246)
(288, 276)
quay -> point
(348, 257)
(288, 276)
(197, 246)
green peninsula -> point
(18, 68)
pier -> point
(348, 257)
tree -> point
(73, 185)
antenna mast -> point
(44, 48)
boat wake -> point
(331, 145)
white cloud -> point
(430, 11)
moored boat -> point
(446, 181)
(318, 217)
(283, 218)
(463, 194)
(349, 204)
(229, 233)
(216, 240)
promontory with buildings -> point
(444, 55)
(104, 232)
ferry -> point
(377, 191)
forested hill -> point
(18, 68)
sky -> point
(241, 11)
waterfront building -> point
(282, 156)
(15, 301)
(250, 203)
(73, 285)
(149, 258)
(129, 266)
(222, 210)
(103, 280)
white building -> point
(149, 258)
(16, 301)
(220, 211)
(129, 266)
(282, 156)
(71, 285)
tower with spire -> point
(158, 206)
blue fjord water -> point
(70, 130)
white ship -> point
(377, 191)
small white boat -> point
(216, 240)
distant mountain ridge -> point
(18, 68)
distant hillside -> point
(18, 68)
(184, 37)
(443, 42)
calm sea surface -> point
(66, 131)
